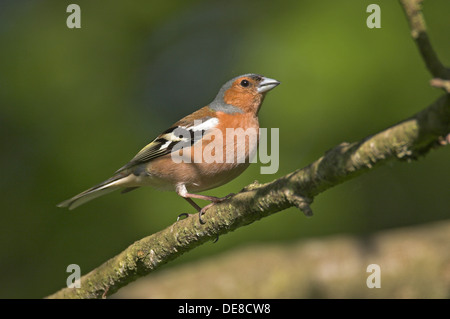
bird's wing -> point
(187, 131)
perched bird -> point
(203, 132)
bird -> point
(171, 162)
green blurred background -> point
(77, 104)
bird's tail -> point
(101, 189)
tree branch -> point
(413, 11)
(404, 141)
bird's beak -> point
(267, 84)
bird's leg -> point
(182, 191)
(201, 211)
(212, 199)
(194, 204)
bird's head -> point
(243, 94)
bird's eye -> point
(245, 83)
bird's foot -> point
(214, 200)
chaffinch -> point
(207, 156)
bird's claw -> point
(215, 201)
(200, 214)
(182, 216)
(229, 196)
